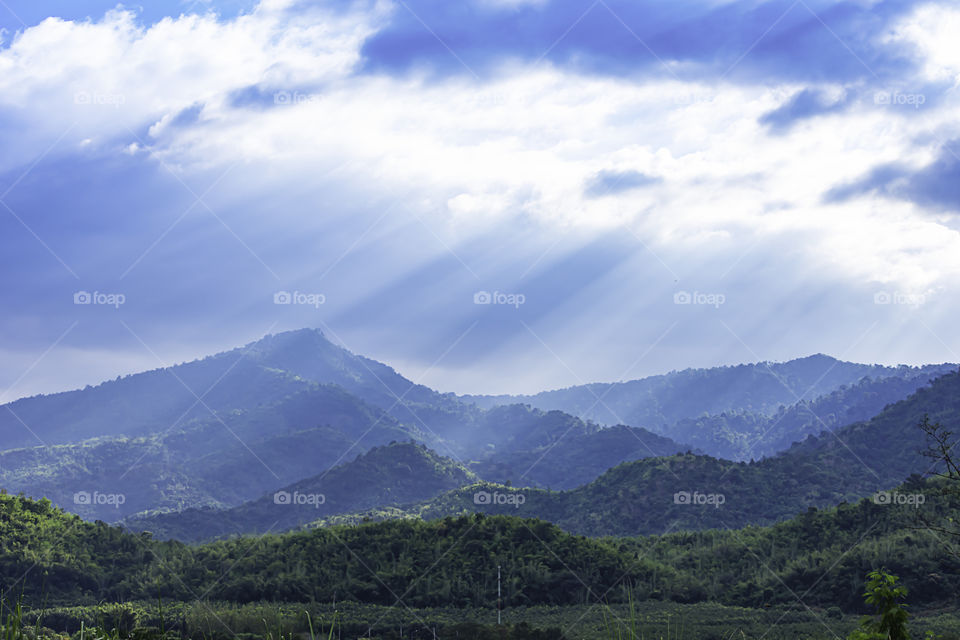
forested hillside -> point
(658, 495)
(741, 411)
(395, 474)
(453, 561)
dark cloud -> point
(803, 105)
(937, 185)
(611, 182)
(782, 39)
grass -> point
(634, 620)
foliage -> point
(451, 562)
(398, 473)
(886, 595)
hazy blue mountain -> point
(575, 459)
(657, 495)
(395, 474)
(745, 436)
(150, 402)
(737, 411)
(290, 406)
(215, 462)
(284, 408)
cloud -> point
(936, 185)
(285, 149)
(805, 104)
(612, 182)
(818, 40)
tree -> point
(940, 449)
(886, 595)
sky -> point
(491, 196)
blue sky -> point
(639, 186)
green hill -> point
(52, 557)
(396, 474)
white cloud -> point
(524, 143)
(466, 155)
(932, 30)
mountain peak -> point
(295, 337)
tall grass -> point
(11, 623)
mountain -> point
(278, 410)
(695, 492)
(728, 411)
(222, 431)
(575, 458)
(218, 462)
(395, 474)
(261, 373)
(150, 402)
(404, 473)
(744, 435)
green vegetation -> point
(886, 595)
(452, 561)
(395, 474)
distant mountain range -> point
(739, 412)
(693, 492)
(217, 438)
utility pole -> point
(498, 595)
